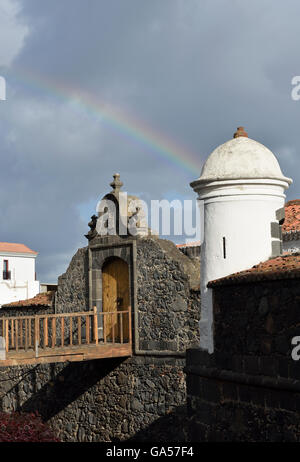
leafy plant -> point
(24, 427)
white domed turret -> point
(242, 187)
(241, 158)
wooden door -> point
(115, 296)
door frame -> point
(97, 255)
(115, 276)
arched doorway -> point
(115, 298)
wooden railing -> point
(65, 330)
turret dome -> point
(241, 158)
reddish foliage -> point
(24, 427)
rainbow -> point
(156, 143)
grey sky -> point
(189, 70)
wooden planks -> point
(95, 325)
(34, 338)
(53, 332)
(79, 329)
(6, 336)
(17, 334)
(84, 353)
(71, 330)
(45, 322)
(87, 329)
(62, 330)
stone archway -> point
(115, 298)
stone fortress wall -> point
(249, 388)
(142, 397)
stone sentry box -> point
(109, 246)
(163, 283)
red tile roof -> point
(44, 299)
(189, 244)
(16, 248)
(292, 216)
(284, 267)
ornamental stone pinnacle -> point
(117, 183)
(240, 132)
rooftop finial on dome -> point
(240, 132)
(117, 183)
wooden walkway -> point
(80, 336)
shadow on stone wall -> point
(116, 399)
(172, 427)
(67, 385)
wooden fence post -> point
(95, 325)
(36, 335)
(129, 323)
(6, 335)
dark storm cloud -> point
(193, 70)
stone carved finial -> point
(117, 183)
(92, 224)
(240, 132)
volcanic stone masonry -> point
(142, 397)
(249, 388)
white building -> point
(17, 273)
(242, 188)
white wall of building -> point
(242, 215)
(22, 283)
(240, 189)
(22, 268)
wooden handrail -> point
(51, 315)
(59, 330)
(65, 315)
